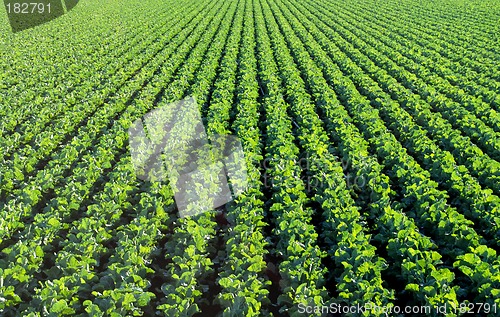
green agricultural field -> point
(371, 139)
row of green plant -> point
(467, 81)
(189, 247)
(244, 288)
(24, 186)
(461, 119)
(441, 163)
(78, 185)
(406, 246)
(478, 54)
(358, 277)
(64, 82)
(424, 202)
(300, 268)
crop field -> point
(371, 139)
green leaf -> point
(412, 287)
